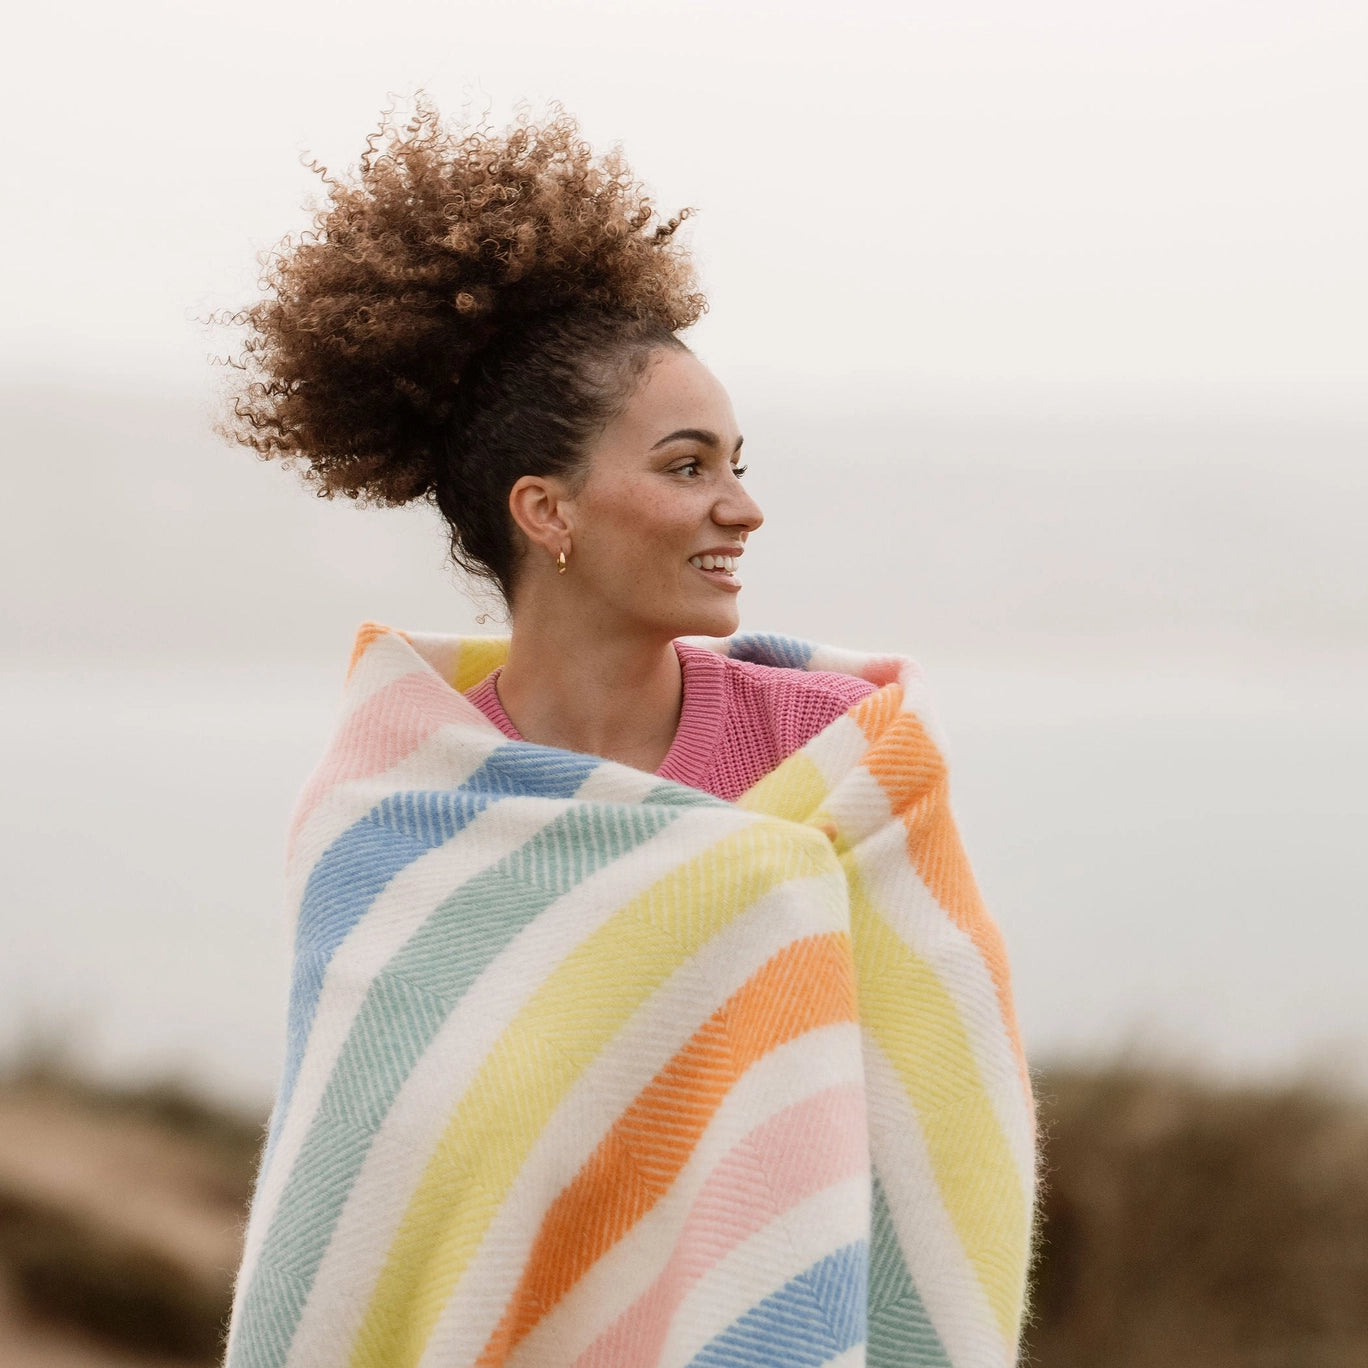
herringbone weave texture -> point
(588, 1069)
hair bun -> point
(442, 240)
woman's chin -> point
(717, 623)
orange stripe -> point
(875, 711)
(807, 985)
(913, 775)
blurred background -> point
(1045, 328)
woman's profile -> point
(643, 1010)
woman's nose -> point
(736, 508)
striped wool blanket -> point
(589, 1069)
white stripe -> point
(918, 701)
(837, 749)
(854, 1357)
(859, 806)
(610, 782)
(655, 1033)
(949, 1288)
(380, 664)
(842, 660)
(442, 651)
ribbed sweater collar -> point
(702, 714)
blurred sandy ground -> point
(120, 1222)
(1182, 1223)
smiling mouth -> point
(722, 570)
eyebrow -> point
(697, 435)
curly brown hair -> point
(469, 307)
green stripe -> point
(900, 1332)
(405, 1006)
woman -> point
(643, 1007)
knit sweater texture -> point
(739, 719)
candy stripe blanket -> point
(589, 1069)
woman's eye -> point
(693, 468)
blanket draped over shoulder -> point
(589, 1069)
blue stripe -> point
(769, 648)
(354, 870)
(529, 771)
(811, 1320)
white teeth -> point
(727, 563)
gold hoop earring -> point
(560, 563)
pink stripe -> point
(389, 725)
(882, 670)
(801, 1150)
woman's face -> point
(664, 491)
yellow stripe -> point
(479, 657)
(581, 1006)
(794, 790)
(916, 1024)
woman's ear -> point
(538, 506)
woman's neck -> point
(617, 695)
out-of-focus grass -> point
(1196, 1225)
(1183, 1222)
(121, 1211)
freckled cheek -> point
(652, 542)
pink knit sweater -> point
(738, 720)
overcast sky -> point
(1146, 193)
(1155, 203)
